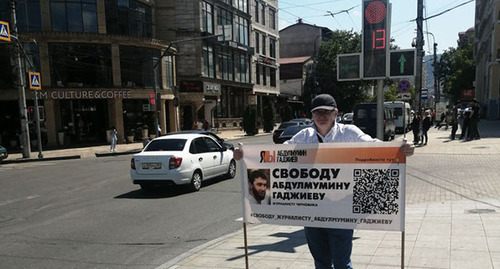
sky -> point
(444, 28)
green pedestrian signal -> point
(402, 63)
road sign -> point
(404, 86)
(4, 31)
(375, 38)
(404, 96)
(348, 67)
(402, 63)
(35, 82)
(424, 94)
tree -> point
(324, 76)
(268, 118)
(456, 70)
(250, 121)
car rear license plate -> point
(151, 165)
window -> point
(225, 59)
(137, 66)
(257, 42)
(263, 45)
(169, 70)
(243, 74)
(264, 75)
(80, 65)
(257, 74)
(208, 61)
(228, 2)
(232, 103)
(272, 77)
(242, 30)
(225, 17)
(129, 17)
(73, 15)
(263, 12)
(256, 11)
(272, 18)
(272, 47)
(242, 5)
(27, 13)
(207, 17)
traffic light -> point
(31, 113)
(375, 38)
(152, 101)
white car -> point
(180, 159)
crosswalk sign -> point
(35, 83)
(4, 31)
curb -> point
(109, 154)
(70, 157)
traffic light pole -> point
(24, 137)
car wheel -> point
(393, 135)
(231, 171)
(146, 186)
(196, 181)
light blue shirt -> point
(339, 133)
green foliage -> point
(324, 79)
(286, 113)
(456, 70)
(268, 119)
(250, 121)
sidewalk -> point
(102, 151)
(452, 234)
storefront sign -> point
(211, 88)
(266, 60)
(468, 94)
(329, 185)
(83, 94)
(191, 86)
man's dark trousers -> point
(329, 246)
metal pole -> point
(24, 137)
(38, 134)
(156, 101)
(420, 54)
(436, 89)
(380, 109)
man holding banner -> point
(328, 246)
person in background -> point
(474, 120)
(426, 125)
(330, 247)
(113, 134)
(466, 125)
(454, 120)
(415, 127)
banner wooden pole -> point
(246, 245)
(402, 249)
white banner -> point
(331, 185)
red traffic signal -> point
(152, 101)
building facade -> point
(97, 63)
(487, 57)
(219, 60)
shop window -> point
(73, 16)
(129, 17)
(80, 65)
(137, 66)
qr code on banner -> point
(376, 191)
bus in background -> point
(402, 115)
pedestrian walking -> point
(330, 248)
(113, 134)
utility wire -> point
(446, 11)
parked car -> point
(179, 159)
(3, 153)
(209, 133)
(289, 132)
(303, 120)
(365, 117)
(282, 127)
(347, 118)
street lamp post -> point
(435, 71)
